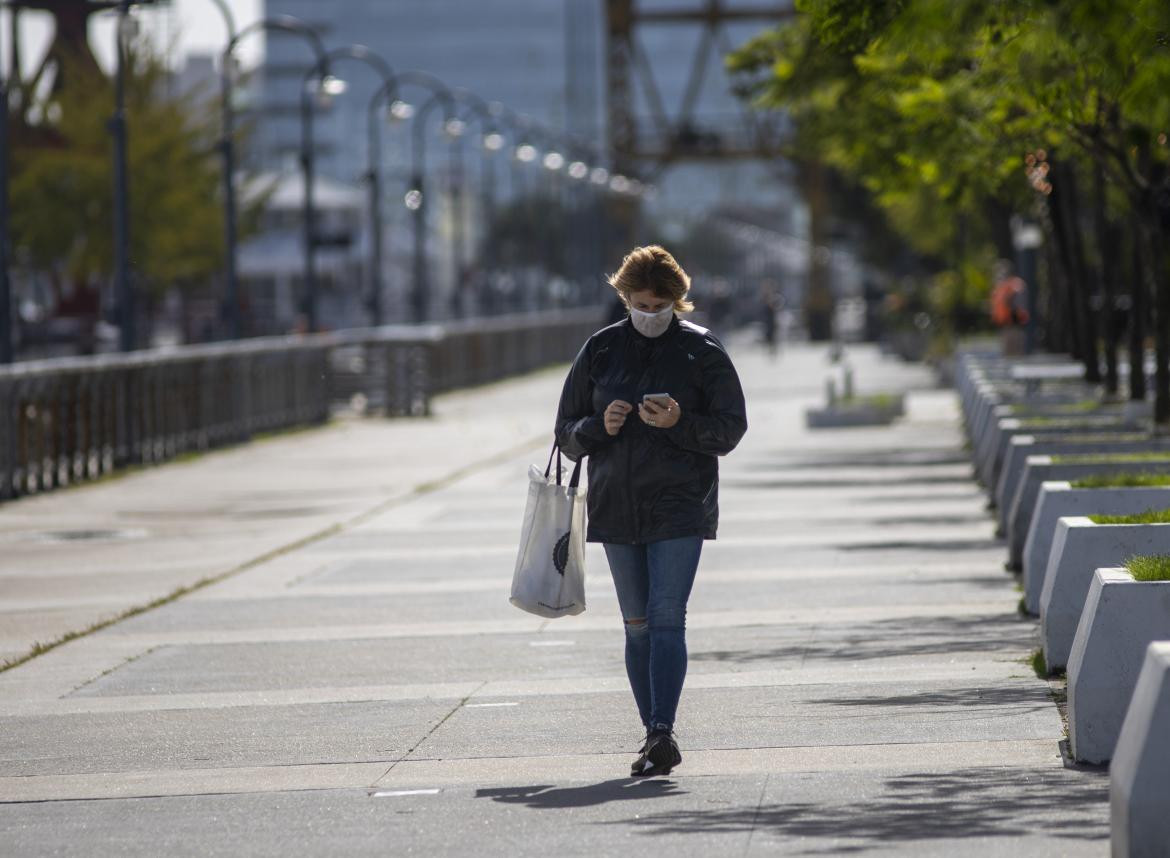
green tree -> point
(934, 105)
(62, 184)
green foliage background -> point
(63, 184)
(933, 105)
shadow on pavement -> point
(897, 637)
(548, 796)
(1035, 697)
(971, 803)
(876, 482)
(882, 459)
(972, 493)
(927, 520)
(924, 545)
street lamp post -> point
(320, 71)
(308, 211)
(586, 261)
(388, 89)
(483, 113)
(416, 197)
(418, 202)
(6, 351)
(280, 23)
(230, 308)
(122, 287)
(523, 153)
(552, 162)
(455, 179)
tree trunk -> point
(1057, 316)
(818, 301)
(1157, 233)
(1064, 275)
(1138, 313)
(1161, 332)
(1080, 275)
(1106, 278)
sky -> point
(190, 25)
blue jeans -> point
(653, 584)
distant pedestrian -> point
(653, 479)
(769, 309)
(1009, 308)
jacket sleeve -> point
(580, 430)
(722, 422)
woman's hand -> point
(659, 416)
(615, 415)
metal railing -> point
(68, 420)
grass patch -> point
(1101, 438)
(1121, 481)
(1071, 423)
(1150, 516)
(1039, 665)
(1080, 407)
(874, 400)
(1155, 567)
(1110, 458)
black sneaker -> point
(659, 755)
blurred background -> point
(463, 159)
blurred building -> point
(271, 265)
(542, 58)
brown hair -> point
(652, 268)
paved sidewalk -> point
(357, 682)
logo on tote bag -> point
(561, 554)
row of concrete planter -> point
(1096, 620)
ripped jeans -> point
(653, 583)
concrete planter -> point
(1022, 446)
(1120, 620)
(985, 401)
(1008, 428)
(1139, 778)
(1059, 499)
(1039, 469)
(1078, 550)
(860, 412)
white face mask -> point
(651, 324)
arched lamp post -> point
(282, 24)
(361, 54)
(492, 141)
(416, 196)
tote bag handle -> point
(574, 480)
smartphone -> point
(660, 399)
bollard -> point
(1139, 779)
(1120, 620)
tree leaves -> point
(62, 191)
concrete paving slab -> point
(755, 717)
(321, 664)
(789, 814)
(239, 736)
(857, 684)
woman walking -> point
(652, 401)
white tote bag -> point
(550, 566)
